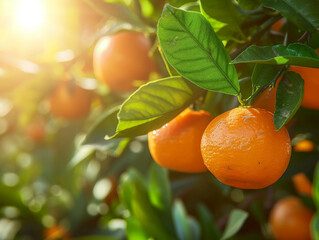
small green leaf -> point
(192, 47)
(134, 230)
(303, 14)
(210, 229)
(289, 96)
(224, 20)
(263, 75)
(159, 187)
(315, 227)
(293, 54)
(235, 222)
(181, 223)
(316, 186)
(154, 104)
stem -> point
(263, 88)
(255, 36)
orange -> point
(56, 232)
(36, 131)
(302, 184)
(290, 220)
(267, 99)
(121, 59)
(241, 148)
(70, 101)
(176, 145)
(304, 146)
(311, 87)
(277, 26)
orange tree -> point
(205, 88)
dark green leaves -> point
(263, 75)
(192, 47)
(293, 54)
(303, 14)
(289, 96)
(236, 220)
(224, 18)
(154, 104)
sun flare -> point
(30, 14)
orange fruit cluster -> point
(241, 147)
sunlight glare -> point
(30, 14)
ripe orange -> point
(267, 99)
(302, 184)
(290, 220)
(121, 59)
(36, 131)
(242, 148)
(56, 232)
(311, 87)
(277, 26)
(176, 145)
(70, 101)
(304, 146)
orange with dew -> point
(241, 148)
(290, 220)
(121, 59)
(302, 184)
(70, 101)
(176, 145)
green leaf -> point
(263, 75)
(235, 222)
(315, 227)
(192, 47)
(105, 126)
(249, 4)
(224, 18)
(159, 187)
(289, 96)
(293, 54)
(210, 229)
(303, 14)
(181, 223)
(134, 230)
(178, 3)
(154, 104)
(316, 185)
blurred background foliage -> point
(61, 180)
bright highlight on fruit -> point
(242, 149)
(30, 14)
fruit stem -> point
(250, 99)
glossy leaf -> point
(293, 54)
(223, 17)
(154, 104)
(249, 4)
(235, 222)
(192, 47)
(303, 14)
(289, 96)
